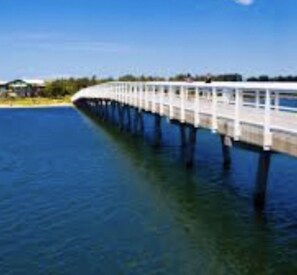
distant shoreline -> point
(18, 103)
(17, 106)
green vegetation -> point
(266, 78)
(67, 87)
(59, 91)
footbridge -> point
(257, 116)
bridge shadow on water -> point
(211, 205)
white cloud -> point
(245, 2)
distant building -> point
(22, 88)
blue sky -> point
(51, 38)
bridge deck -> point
(251, 113)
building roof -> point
(32, 82)
(37, 82)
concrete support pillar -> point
(97, 108)
(190, 150)
(135, 120)
(121, 117)
(103, 111)
(157, 131)
(128, 113)
(226, 145)
(112, 106)
(106, 109)
(100, 108)
(183, 135)
(141, 122)
(188, 144)
(262, 179)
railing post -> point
(182, 104)
(122, 92)
(131, 94)
(157, 90)
(171, 94)
(128, 93)
(197, 107)
(117, 92)
(276, 101)
(214, 111)
(135, 95)
(146, 103)
(153, 101)
(258, 99)
(237, 128)
(267, 122)
(161, 101)
(125, 91)
(140, 96)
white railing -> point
(272, 106)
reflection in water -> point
(214, 217)
(78, 197)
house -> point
(2, 86)
(22, 88)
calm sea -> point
(78, 197)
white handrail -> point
(266, 104)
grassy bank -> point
(34, 102)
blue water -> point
(78, 197)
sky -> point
(61, 38)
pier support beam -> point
(106, 110)
(141, 122)
(138, 124)
(190, 149)
(226, 144)
(136, 120)
(157, 131)
(188, 144)
(101, 109)
(183, 135)
(120, 116)
(112, 115)
(262, 179)
(128, 113)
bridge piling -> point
(183, 136)
(120, 117)
(157, 131)
(188, 144)
(101, 109)
(128, 114)
(255, 115)
(112, 115)
(262, 179)
(106, 111)
(136, 121)
(226, 144)
(190, 148)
